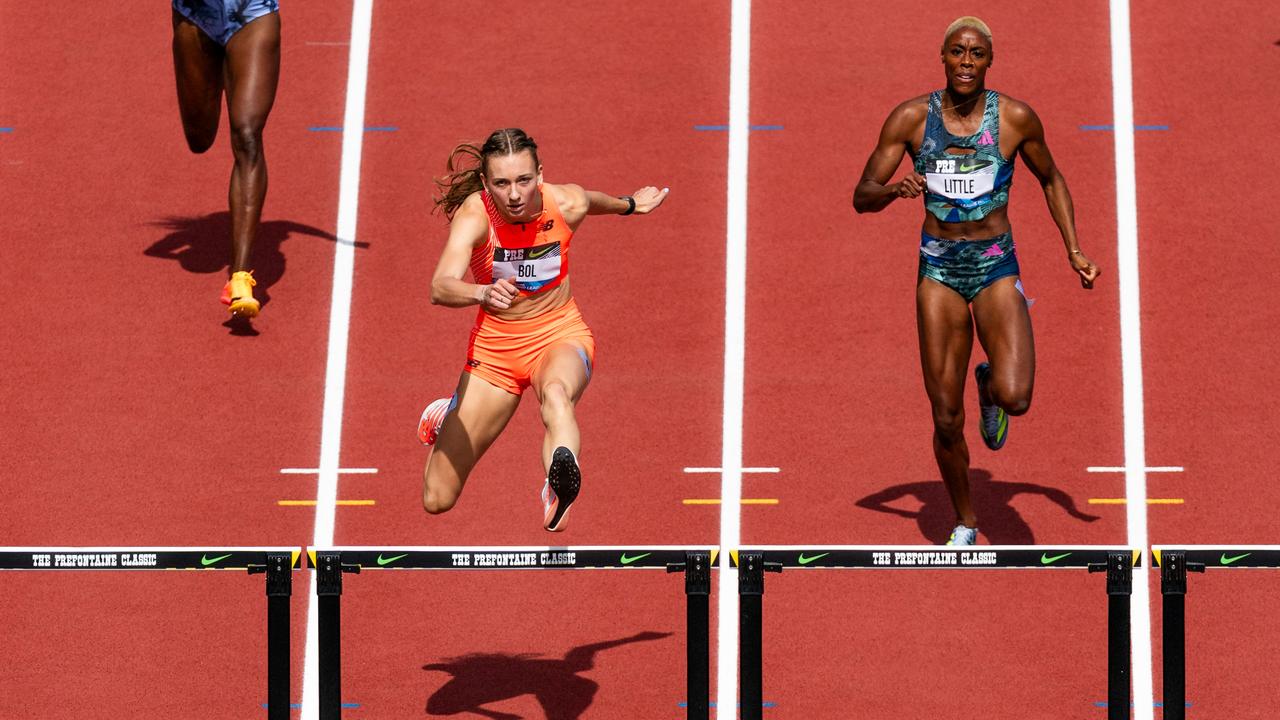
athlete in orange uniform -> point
(513, 231)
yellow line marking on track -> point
(717, 501)
(1150, 501)
(312, 503)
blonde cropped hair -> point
(968, 21)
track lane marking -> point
(1135, 451)
(339, 327)
(735, 303)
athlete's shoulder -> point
(569, 197)
(913, 110)
(905, 120)
(1016, 111)
(471, 221)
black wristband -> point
(631, 204)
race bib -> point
(528, 268)
(963, 178)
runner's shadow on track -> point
(999, 522)
(483, 678)
(202, 245)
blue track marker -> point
(6, 130)
(722, 128)
(1110, 128)
(371, 128)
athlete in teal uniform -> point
(963, 140)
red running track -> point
(154, 392)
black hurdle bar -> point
(1119, 569)
(329, 569)
(751, 570)
(697, 590)
(1173, 590)
(752, 565)
(279, 572)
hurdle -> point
(696, 563)
(1175, 561)
(752, 564)
(277, 563)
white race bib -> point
(529, 268)
(961, 178)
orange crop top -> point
(533, 255)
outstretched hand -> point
(1085, 268)
(648, 199)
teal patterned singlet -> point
(963, 187)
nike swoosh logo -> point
(535, 254)
(1046, 560)
(969, 168)
(385, 561)
(628, 559)
(1228, 560)
(805, 560)
(206, 561)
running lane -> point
(133, 416)
(1208, 322)
(834, 397)
(582, 80)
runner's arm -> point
(874, 192)
(1035, 154)
(467, 230)
(646, 199)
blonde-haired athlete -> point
(963, 140)
(513, 231)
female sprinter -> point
(231, 45)
(513, 231)
(963, 140)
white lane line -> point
(695, 470)
(735, 302)
(1113, 469)
(1135, 452)
(335, 379)
(340, 471)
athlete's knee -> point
(556, 404)
(948, 422)
(436, 501)
(199, 140)
(246, 141)
(1014, 399)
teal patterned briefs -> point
(967, 266)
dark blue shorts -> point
(967, 266)
(220, 19)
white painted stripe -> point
(692, 470)
(1135, 461)
(1113, 469)
(341, 471)
(735, 302)
(335, 380)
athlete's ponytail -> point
(468, 162)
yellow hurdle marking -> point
(1150, 501)
(717, 501)
(312, 503)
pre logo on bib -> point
(530, 268)
(961, 178)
